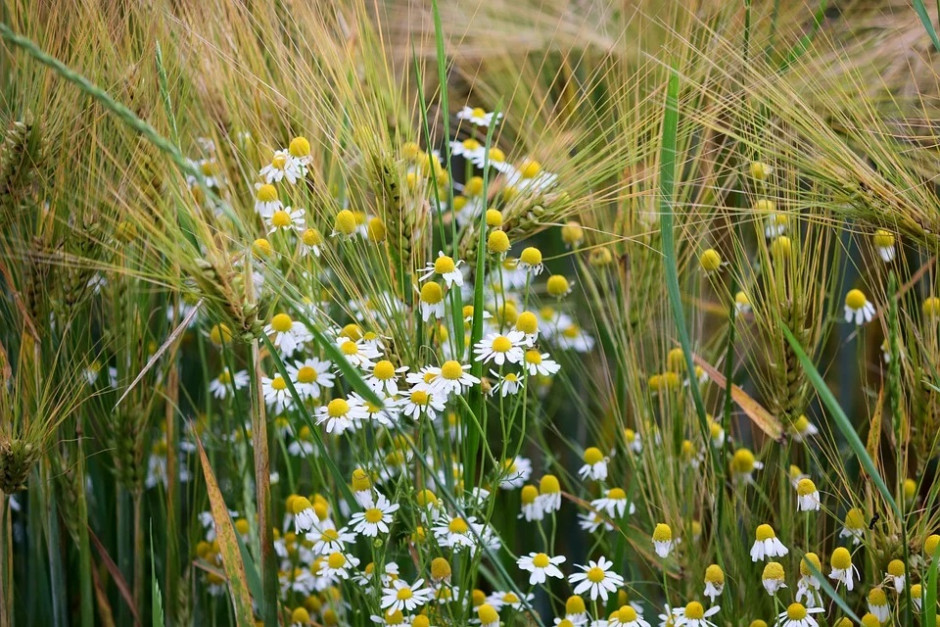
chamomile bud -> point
(498, 242)
(710, 260)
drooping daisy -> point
(595, 465)
(401, 595)
(541, 566)
(858, 308)
(507, 384)
(773, 578)
(797, 615)
(808, 585)
(843, 568)
(227, 383)
(694, 615)
(375, 519)
(614, 503)
(303, 444)
(807, 496)
(742, 304)
(446, 268)
(802, 428)
(452, 378)
(549, 494)
(266, 200)
(530, 260)
(276, 394)
(478, 116)
(884, 243)
(853, 526)
(710, 261)
(662, 540)
(896, 575)
(341, 415)
(286, 219)
(714, 582)
(878, 604)
(596, 578)
(766, 544)
(917, 596)
(288, 335)
(743, 465)
(487, 615)
(305, 518)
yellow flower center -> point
(267, 193)
(765, 532)
(345, 222)
(796, 611)
(451, 370)
(773, 571)
(431, 293)
(529, 494)
(419, 397)
(575, 605)
(883, 239)
(281, 323)
(549, 485)
(478, 113)
(384, 370)
(337, 560)
(877, 597)
(330, 535)
(855, 299)
(338, 407)
(501, 344)
(279, 161)
(498, 241)
(530, 169)
(841, 558)
(278, 383)
(809, 558)
(626, 614)
(662, 533)
(541, 560)
(854, 519)
(471, 144)
(694, 611)
(487, 614)
(743, 461)
(299, 147)
(596, 574)
(710, 260)
(312, 237)
(714, 574)
(458, 525)
(349, 348)
(306, 374)
(404, 594)
(557, 285)
(805, 487)
(494, 218)
(225, 378)
(444, 265)
(593, 455)
(531, 256)
(532, 356)
(300, 615)
(372, 515)
(617, 494)
(896, 568)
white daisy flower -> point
(276, 394)
(404, 597)
(595, 465)
(383, 379)
(884, 243)
(359, 352)
(266, 200)
(592, 521)
(283, 166)
(310, 375)
(446, 268)
(843, 570)
(797, 615)
(858, 308)
(506, 385)
(451, 378)
(714, 582)
(516, 472)
(328, 539)
(878, 605)
(375, 519)
(227, 383)
(773, 578)
(807, 496)
(341, 415)
(337, 566)
(540, 567)
(627, 616)
(478, 116)
(896, 575)
(500, 348)
(457, 532)
(596, 579)
(286, 219)
(288, 335)
(854, 526)
(421, 399)
(766, 544)
(663, 541)
(694, 615)
(614, 503)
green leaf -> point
(930, 600)
(928, 25)
(841, 420)
(156, 603)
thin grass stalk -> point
(259, 438)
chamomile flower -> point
(596, 578)
(743, 464)
(328, 539)
(311, 241)
(530, 509)
(714, 582)
(283, 166)
(807, 496)
(539, 364)
(288, 335)
(802, 428)
(373, 520)
(896, 575)
(662, 540)
(853, 526)
(501, 349)
(227, 383)
(516, 472)
(337, 566)
(310, 375)
(549, 498)
(305, 517)
(500, 599)
(710, 261)
(457, 532)
(742, 304)
(275, 392)
(798, 615)
(469, 149)
(431, 301)
(595, 465)
(451, 378)
(530, 260)
(773, 578)
(766, 544)
(614, 503)
(541, 566)
(478, 116)
(694, 615)
(507, 384)
(884, 243)
(341, 415)
(843, 570)
(808, 585)
(858, 308)
(303, 445)
(358, 352)
(878, 604)
(266, 200)
(487, 615)
(592, 521)
(419, 400)
(400, 595)
(286, 219)
(446, 268)
(917, 596)
(626, 616)
(384, 376)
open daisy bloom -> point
(797, 615)
(857, 308)
(596, 579)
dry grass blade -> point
(764, 420)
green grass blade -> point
(156, 602)
(928, 25)
(830, 591)
(930, 600)
(841, 420)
